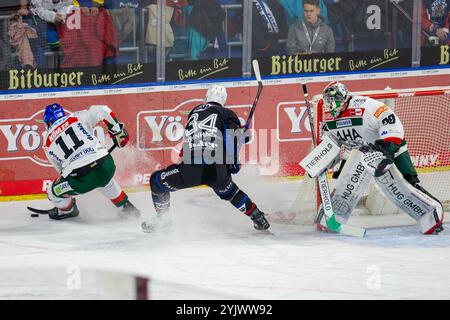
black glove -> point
(120, 137)
(383, 167)
(388, 149)
(234, 168)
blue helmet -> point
(52, 113)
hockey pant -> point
(98, 175)
(183, 176)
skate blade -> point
(268, 231)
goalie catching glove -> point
(120, 136)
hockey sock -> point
(243, 203)
(161, 198)
(120, 200)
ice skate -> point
(58, 214)
(260, 223)
(129, 210)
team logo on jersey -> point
(358, 102)
(380, 111)
(62, 188)
(169, 173)
(164, 129)
(343, 123)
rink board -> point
(155, 116)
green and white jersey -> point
(70, 142)
(364, 121)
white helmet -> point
(217, 94)
(335, 97)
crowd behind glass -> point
(49, 34)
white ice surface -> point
(212, 252)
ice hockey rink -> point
(212, 252)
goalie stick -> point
(324, 189)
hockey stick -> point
(324, 189)
(258, 94)
(112, 148)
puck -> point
(35, 215)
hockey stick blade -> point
(112, 148)
(40, 211)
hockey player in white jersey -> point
(373, 137)
(82, 161)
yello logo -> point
(24, 138)
(164, 129)
(293, 122)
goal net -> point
(425, 114)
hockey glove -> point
(383, 167)
(234, 168)
(388, 149)
(120, 137)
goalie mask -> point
(335, 97)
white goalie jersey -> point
(364, 121)
(70, 142)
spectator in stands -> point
(205, 23)
(94, 43)
(368, 23)
(435, 19)
(53, 12)
(20, 34)
(89, 7)
(294, 11)
(125, 16)
(38, 43)
(402, 15)
(311, 35)
(268, 28)
(151, 35)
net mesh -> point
(426, 120)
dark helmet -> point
(52, 113)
